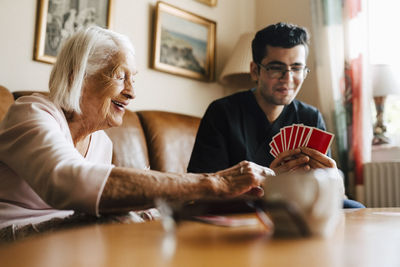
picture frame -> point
(208, 2)
(57, 20)
(183, 43)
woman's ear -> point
(254, 71)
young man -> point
(241, 126)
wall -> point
(155, 90)
(272, 11)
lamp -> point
(384, 83)
(236, 73)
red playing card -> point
(273, 152)
(306, 135)
(320, 140)
(287, 135)
(273, 149)
(299, 134)
(283, 139)
(292, 140)
(278, 143)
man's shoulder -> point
(233, 100)
(308, 114)
(231, 107)
(302, 107)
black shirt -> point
(234, 128)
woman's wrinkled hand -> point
(244, 177)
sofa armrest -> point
(6, 100)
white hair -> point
(82, 55)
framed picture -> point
(184, 43)
(57, 20)
(208, 2)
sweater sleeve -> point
(36, 144)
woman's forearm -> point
(132, 189)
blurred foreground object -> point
(296, 204)
(315, 196)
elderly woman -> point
(55, 158)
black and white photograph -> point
(57, 20)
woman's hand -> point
(244, 177)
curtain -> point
(340, 42)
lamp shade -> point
(384, 80)
(236, 73)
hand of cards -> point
(299, 135)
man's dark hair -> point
(278, 35)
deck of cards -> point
(299, 135)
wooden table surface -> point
(365, 237)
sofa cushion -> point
(170, 139)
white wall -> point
(155, 90)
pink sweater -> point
(42, 175)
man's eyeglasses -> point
(279, 71)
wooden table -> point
(366, 237)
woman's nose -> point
(129, 92)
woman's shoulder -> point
(37, 103)
(34, 108)
(35, 99)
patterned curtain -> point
(339, 38)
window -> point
(384, 48)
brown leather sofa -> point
(158, 140)
(6, 100)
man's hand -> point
(290, 160)
(317, 159)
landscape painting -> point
(184, 43)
